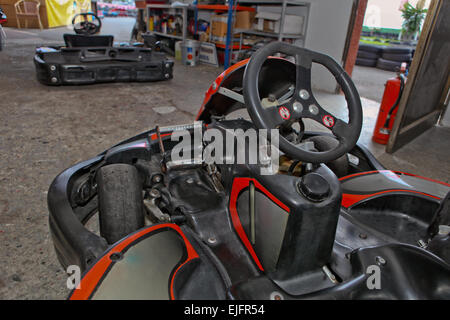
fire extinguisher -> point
(388, 108)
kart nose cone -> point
(314, 187)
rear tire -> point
(120, 201)
(397, 50)
(366, 62)
(369, 48)
(368, 55)
(397, 57)
(388, 65)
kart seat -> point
(80, 40)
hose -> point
(391, 110)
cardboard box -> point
(270, 22)
(219, 23)
(244, 20)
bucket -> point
(190, 50)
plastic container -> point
(190, 50)
(178, 50)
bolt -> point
(298, 107)
(116, 256)
(422, 243)
(167, 65)
(363, 236)
(190, 180)
(54, 80)
(154, 193)
(52, 67)
(380, 261)
(276, 296)
(304, 94)
(314, 109)
(212, 240)
(271, 98)
(157, 178)
(167, 75)
(214, 86)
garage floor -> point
(47, 129)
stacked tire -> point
(385, 58)
(392, 58)
(368, 55)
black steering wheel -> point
(303, 104)
(85, 26)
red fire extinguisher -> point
(388, 108)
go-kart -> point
(330, 223)
(88, 58)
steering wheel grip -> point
(346, 133)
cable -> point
(391, 110)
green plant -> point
(413, 17)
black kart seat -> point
(79, 40)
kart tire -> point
(388, 65)
(120, 202)
(368, 55)
(397, 50)
(397, 57)
(324, 143)
(366, 62)
(369, 48)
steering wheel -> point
(85, 26)
(303, 104)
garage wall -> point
(445, 121)
(327, 31)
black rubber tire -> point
(323, 143)
(366, 62)
(388, 65)
(120, 202)
(397, 50)
(369, 48)
(397, 57)
(368, 55)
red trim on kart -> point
(154, 136)
(211, 91)
(92, 278)
(238, 185)
(396, 172)
(218, 82)
(349, 200)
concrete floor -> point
(47, 129)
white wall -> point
(327, 31)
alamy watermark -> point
(74, 277)
(227, 146)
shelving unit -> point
(184, 10)
(230, 9)
(284, 5)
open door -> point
(428, 81)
